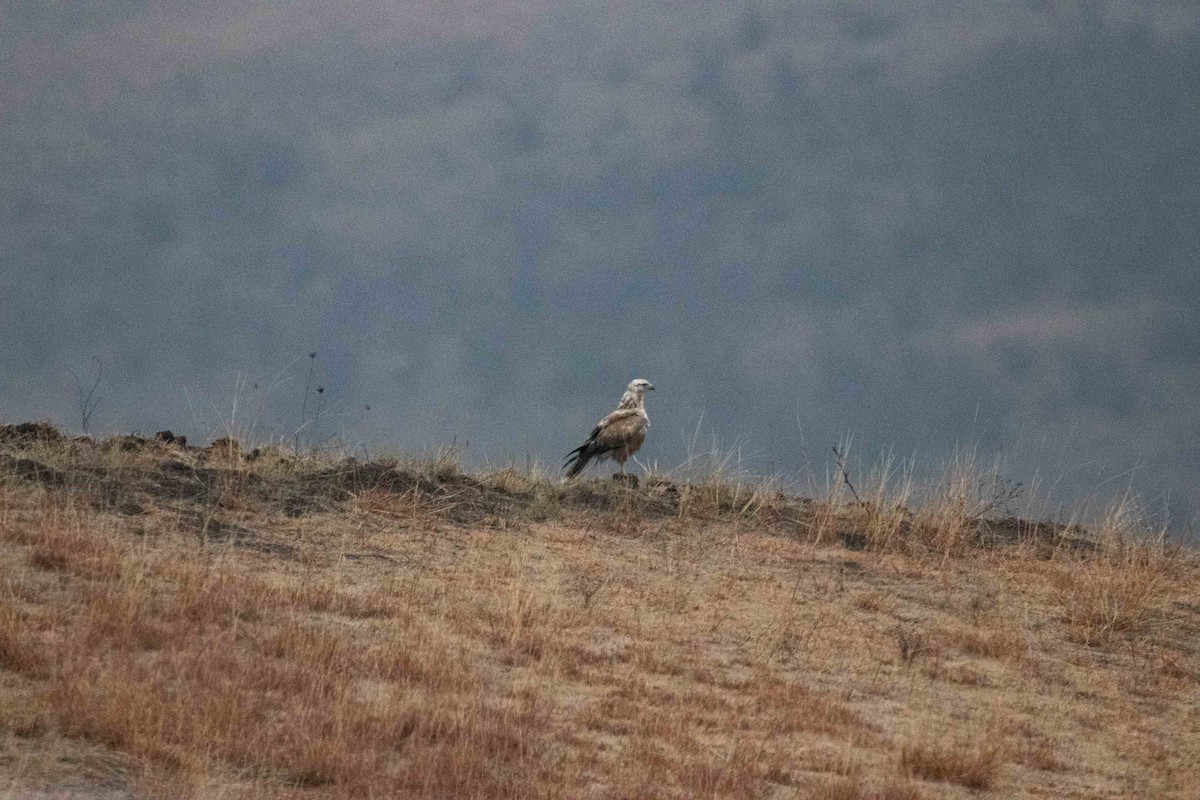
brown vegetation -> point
(973, 767)
(190, 622)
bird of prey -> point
(619, 435)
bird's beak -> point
(650, 387)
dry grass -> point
(996, 642)
(882, 507)
(383, 630)
(972, 767)
(193, 664)
(1118, 591)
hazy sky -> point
(925, 224)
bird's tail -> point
(577, 460)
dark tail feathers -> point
(577, 459)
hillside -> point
(227, 622)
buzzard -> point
(619, 435)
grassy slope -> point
(183, 623)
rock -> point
(166, 437)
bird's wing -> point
(619, 428)
(623, 430)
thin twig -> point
(88, 401)
(837, 454)
(312, 361)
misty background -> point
(923, 224)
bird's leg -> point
(625, 477)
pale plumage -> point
(619, 435)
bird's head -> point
(640, 386)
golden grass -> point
(1119, 590)
(396, 640)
